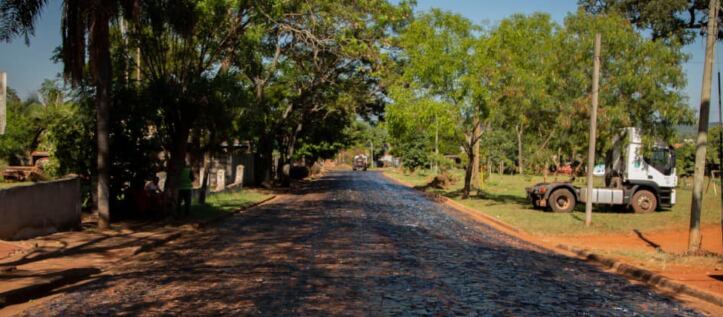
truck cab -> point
(632, 179)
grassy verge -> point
(661, 260)
(504, 197)
(226, 202)
(4, 185)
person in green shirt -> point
(185, 190)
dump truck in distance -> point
(360, 163)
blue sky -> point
(28, 66)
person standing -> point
(185, 190)
(153, 194)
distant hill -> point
(690, 131)
(686, 131)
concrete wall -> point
(38, 209)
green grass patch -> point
(226, 202)
(419, 178)
(661, 260)
(4, 185)
(504, 197)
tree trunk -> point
(436, 145)
(290, 148)
(100, 64)
(694, 236)
(204, 181)
(282, 174)
(176, 163)
(475, 150)
(263, 160)
(520, 162)
(468, 172)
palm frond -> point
(18, 17)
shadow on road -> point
(356, 244)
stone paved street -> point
(353, 243)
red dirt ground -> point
(705, 274)
(7, 249)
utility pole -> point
(694, 237)
(720, 154)
(593, 130)
(3, 101)
(436, 143)
(371, 157)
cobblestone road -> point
(353, 243)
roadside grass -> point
(661, 260)
(227, 202)
(418, 178)
(504, 197)
(4, 185)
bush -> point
(442, 181)
(414, 154)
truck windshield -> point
(663, 160)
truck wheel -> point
(562, 200)
(644, 201)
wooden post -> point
(694, 236)
(436, 143)
(3, 102)
(371, 157)
(720, 153)
(593, 130)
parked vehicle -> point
(641, 183)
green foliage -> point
(685, 159)
(437, 99)
(498, 146)
(641, 80)
(414, 154)
(70, 139)
(685, 153)
(364, 134)
(531, 78)
(25, 123)
(670, 20)
(522, 50)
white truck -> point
(631, 180)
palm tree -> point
(83, 21)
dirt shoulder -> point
(659, 251)
(39, 267)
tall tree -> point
(411, 117)
(641, 85)
(522, 48)
(436, 55)
(185, 45)
(308, 53)
(670, 20)
(83, 22)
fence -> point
(38, 209)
